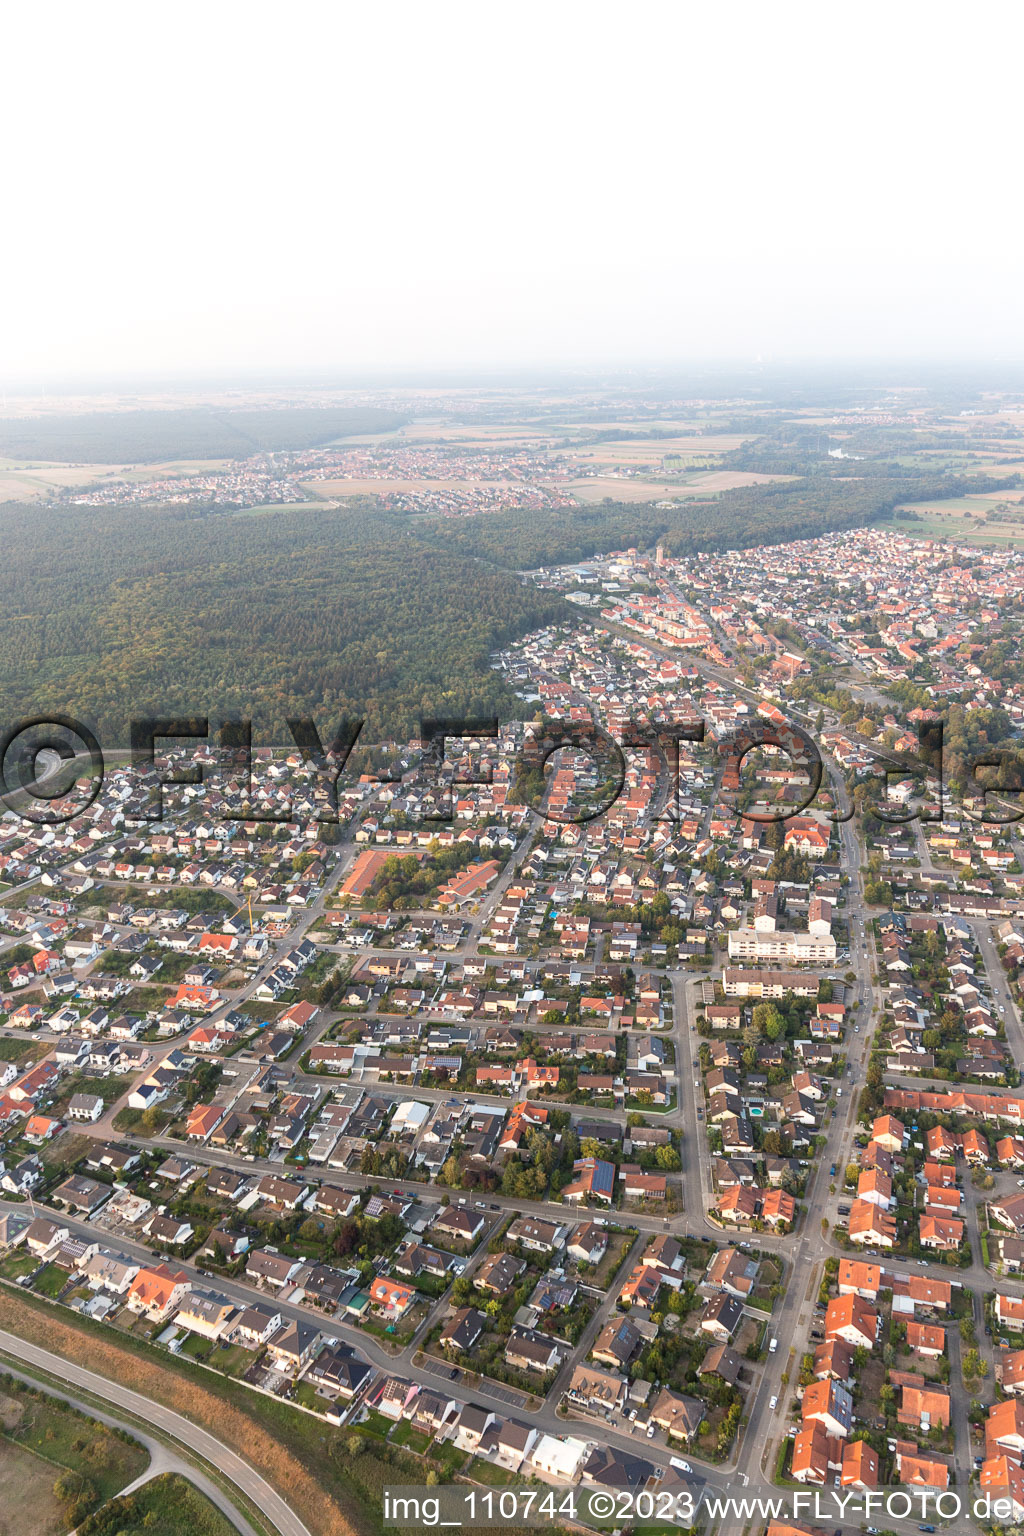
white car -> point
(774, 1403)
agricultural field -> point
(989, 518)
(560, 459)
(646, 450)
(619, 488)
(28, 481)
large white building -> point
(794, 948)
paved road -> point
(199, 1440)
(804, 1252)
(490, 1395)
(162, 1458)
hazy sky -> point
(199, 187)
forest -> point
(773, 513)
(122, 612)
(115, 613)
(153, 437)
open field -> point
(172, 469)
(25, 480)
(962, 532)
(962, 463)
(25, 1051)
(954, 507)
(597, 487)
(28, 1506)
(269, 507)
(644, 423)
(710, 482)
(652, 450)
(730, 479)
(969, 519)
(427, 431)
(29, 483)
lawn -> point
(412, 1439)
(195, 901)
(376, 1424)
(18, 1263)
(450, 1454)
(397, 1334)
(233, 1361)
(488, 1472)
(307, 1396)
(196, 1347)
(167, 1506)
(260, 1013)
(144, 1000)
(143, 1122)
(51, 1282)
